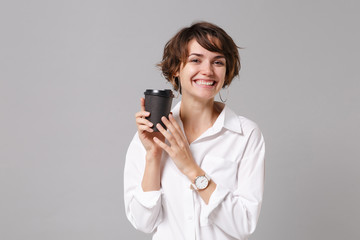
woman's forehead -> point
(194, 47)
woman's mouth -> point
(205, 82)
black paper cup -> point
(158, 103)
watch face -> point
(201, 182)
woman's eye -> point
(194, 60)
(219, 63)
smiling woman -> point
(203, 73)
(203, 177)
(209, 37)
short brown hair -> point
(205, 33)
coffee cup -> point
(158, 103)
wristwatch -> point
(201, 182)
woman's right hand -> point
(146, 133)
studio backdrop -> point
(72, 74)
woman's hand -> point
(146, 133)
(179, 149)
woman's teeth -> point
(203, 82)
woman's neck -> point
(198, 116)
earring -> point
(227, 94)
(177, 95)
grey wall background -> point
(72, 73)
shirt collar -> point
(231, 120)
(227, 119)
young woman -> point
(203, 177)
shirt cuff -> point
(147, 199)
(217, 197)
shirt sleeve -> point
(143, 209)
(237, 212)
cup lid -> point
(161, 93)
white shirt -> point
(231, 152)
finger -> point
(177, 126)
(163, 145)
(143, 121)
(166, 134)
(174, 122)
(173, 131)
(142, 104)
(142, 114)
(143, 128)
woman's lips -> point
(203, 82)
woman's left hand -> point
(179, 149)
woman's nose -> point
(206, 68)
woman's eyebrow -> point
(196, 54)
(201, 55)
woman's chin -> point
(202, 96)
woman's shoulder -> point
(247, 124)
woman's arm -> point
(236, 212)
(143, 208)
(151, 178)
(142, 175)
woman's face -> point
(203, 75)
